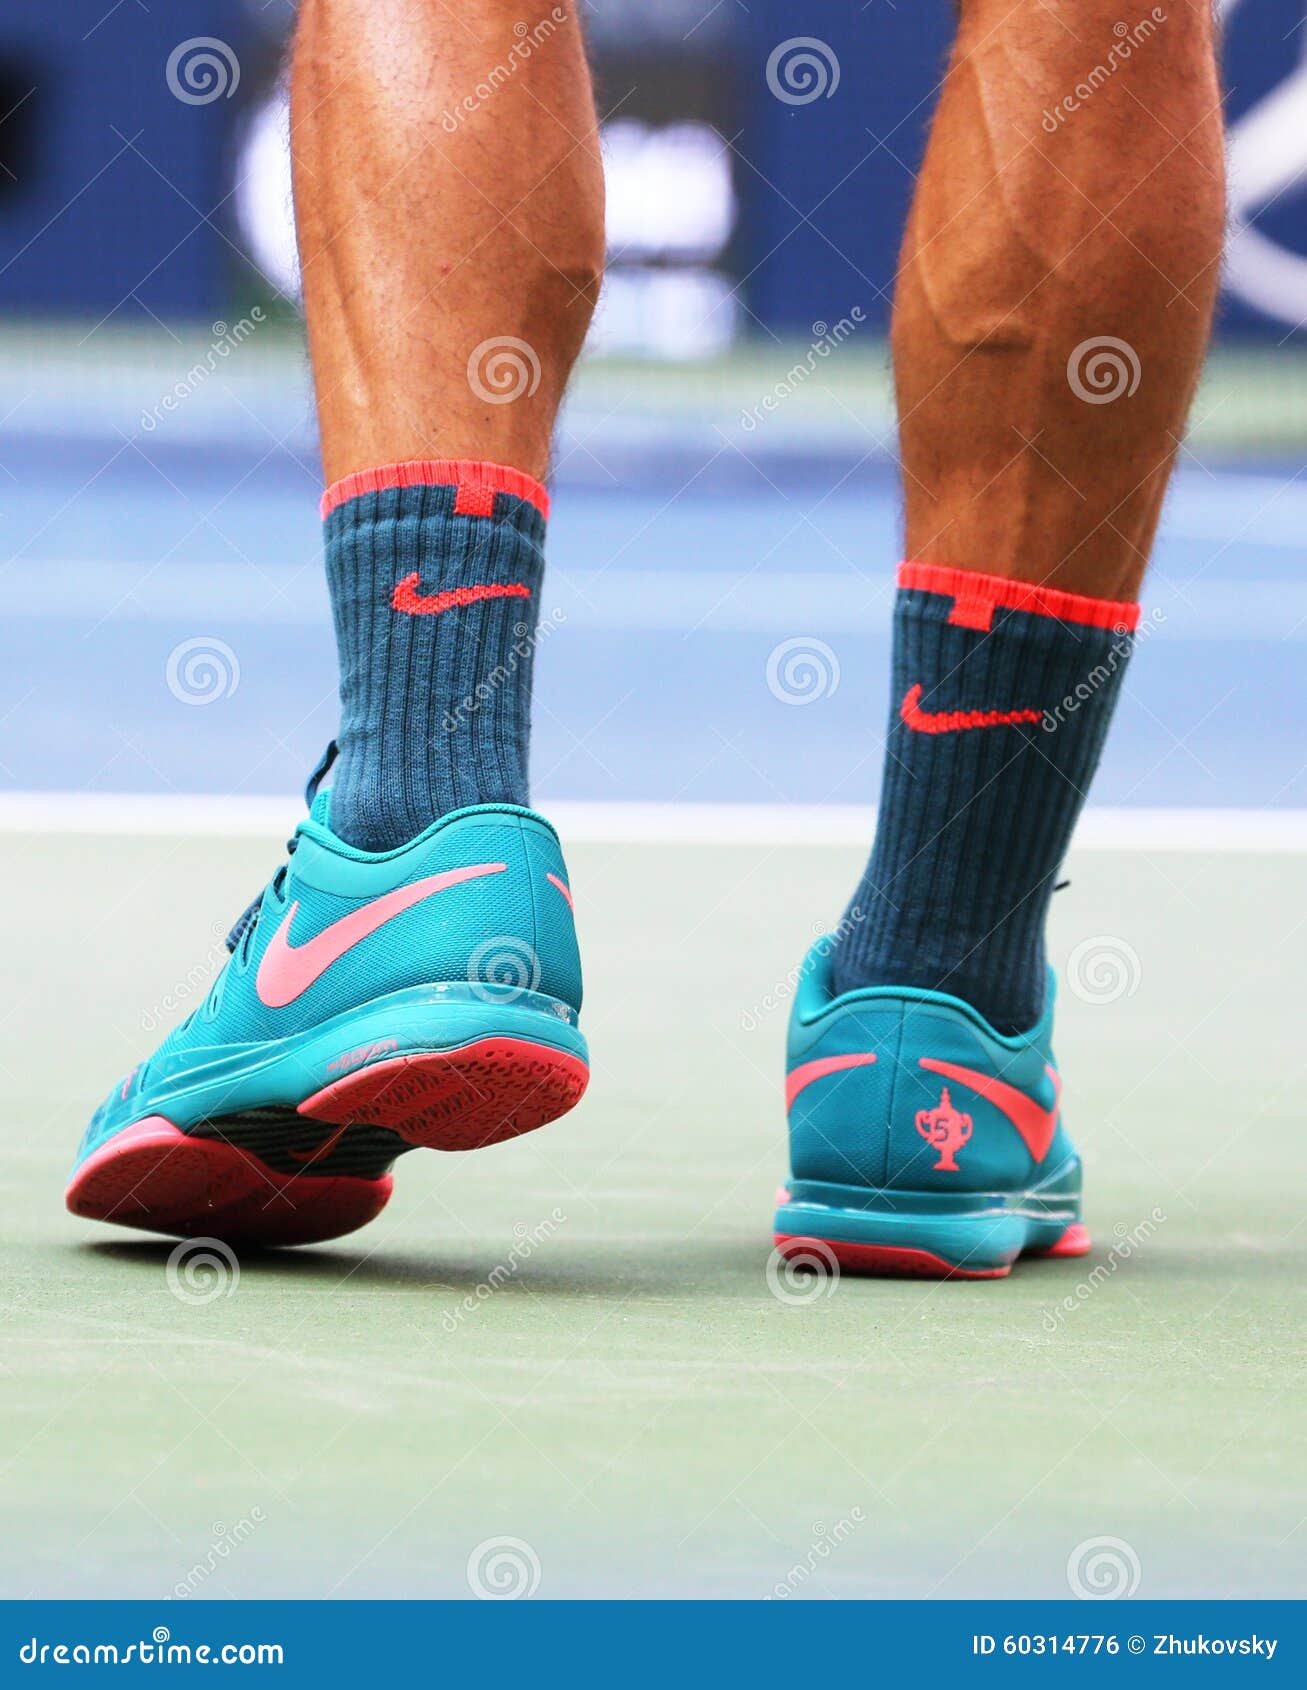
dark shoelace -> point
(243, 928)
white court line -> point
(1103, 829)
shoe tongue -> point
(320, 809)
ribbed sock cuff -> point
(434, 569)
(1002, 695)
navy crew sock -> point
(1002, 695)
(434, 569)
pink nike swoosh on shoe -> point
(1035, 1124)
(287, 971)
(798, 1079)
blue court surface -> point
(717, 606)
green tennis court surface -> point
(572, 1341)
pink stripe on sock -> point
(976, 597)
(477, 484)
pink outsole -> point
(465, 1099)
(158, 1178)
(896, 1261)
(1075, 1241)
(884, 1261)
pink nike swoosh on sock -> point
(407, 599)
(287, 971)
(957, 721)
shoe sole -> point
(210, 1182)
(905, 1261)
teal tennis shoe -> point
(922, 1142)
(373, 1003)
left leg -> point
(1053, 306)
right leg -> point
(449, 199)
(410, 978)
(448, 196)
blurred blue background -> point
(721, 561)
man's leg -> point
(410, 977)
(449, 199)
(1053, 306)
(448, 194)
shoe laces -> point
(242, 931)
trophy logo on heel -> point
(945, 1129)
